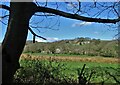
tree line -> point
(77, 46)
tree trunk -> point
(15, 38)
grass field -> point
(66, 57)
(73, 63)
(76, 61)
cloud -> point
(70, 6)
(81, 24)
(48, 39)
(40, 40)
(96, 32)
(52, 39)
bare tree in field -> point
(18, 25)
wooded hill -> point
(77, 46)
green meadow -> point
(67, 70)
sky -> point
(68, 29)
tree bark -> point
(15, 38)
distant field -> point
(74, 62)
(81, 58)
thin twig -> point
(113, 77)
(4, 16)
(36, 34)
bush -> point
(45, 72)
(102, 75)
(35, 71)
(108, 53)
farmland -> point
(75, 58)
(69, 66)
(75, 61)
(68, 61)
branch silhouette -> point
(75, 16)
(69, 15)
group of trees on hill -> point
(78, 46)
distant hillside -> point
(78, 46)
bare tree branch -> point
(75, 16)
(69, 15)
(36, 34)
(113, 77)
(100, 12)
(4, 7)
(115, 11)
(79, 5)
(3, 22)
(4, 16)
(44, 15)
(47, 27)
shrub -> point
(35, 71)
(45, 72)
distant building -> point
(84, 42)
(57, 50)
